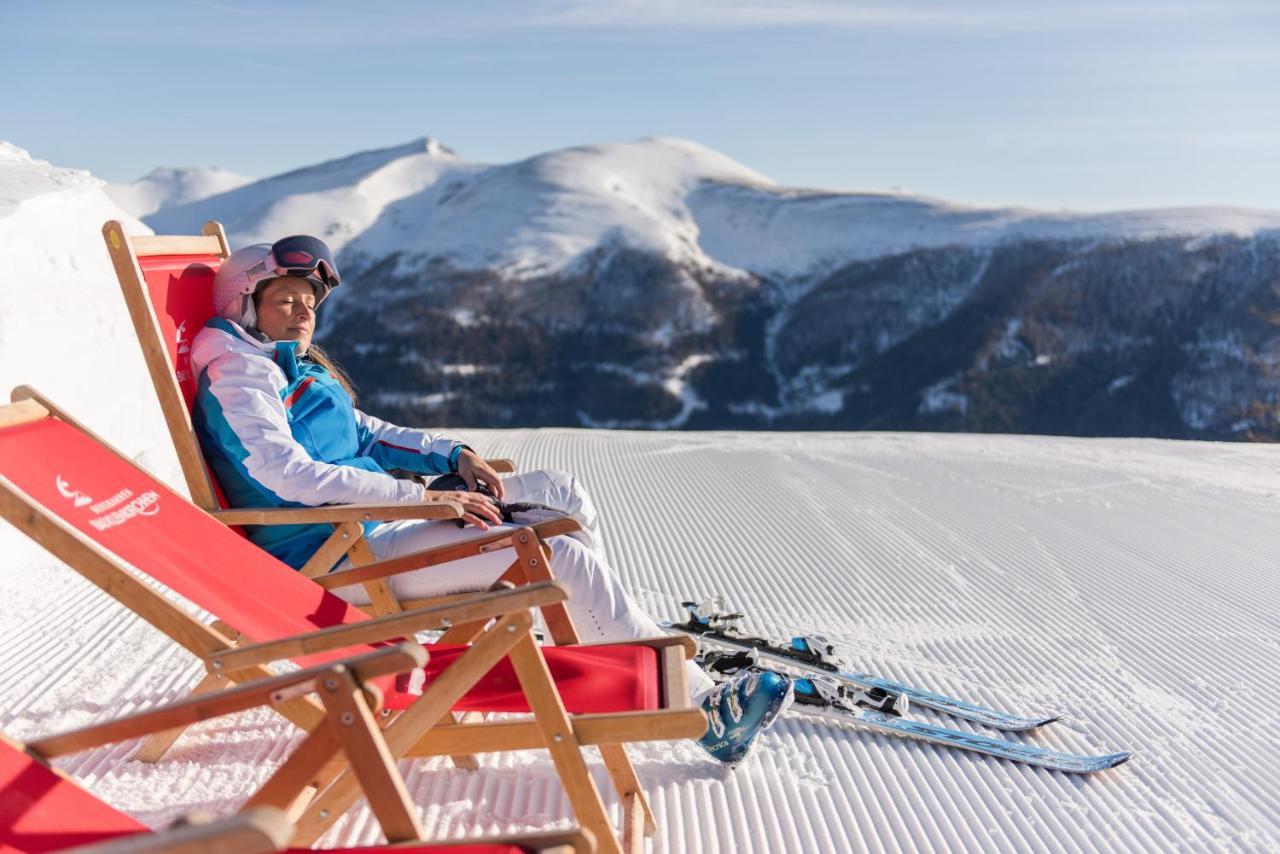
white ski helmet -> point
(249, 268)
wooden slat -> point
(146, 326)
(380, 595)
(157, 744)
(638, 821)
(174, 244)
(213, 228)
(436, 556)
(391, 626)
(200, 707)
(534, 558)
(370, 760)
(332, 549)
(334, 513)
(557, 733)
(21, 412)
(304, 765)
(615, 728)
(250, 832)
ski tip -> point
(1036, 723)
(1113, 760)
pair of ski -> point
(824, 689)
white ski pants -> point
(600, 607)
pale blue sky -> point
(1088, 104)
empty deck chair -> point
(102, 514)
(168, 285)
(42, 809)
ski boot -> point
(740, 709)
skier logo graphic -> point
(113, 511)
(75, 495)
(183, 367)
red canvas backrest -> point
(181, 291)
(40, 810)
(89, 489)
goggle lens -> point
(305, 256)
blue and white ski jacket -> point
(280, 431)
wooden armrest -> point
(501, 539)
(339, 513)
(484, 606)
(502, 465)
(260, 692)
(253, 831)
(688, 644)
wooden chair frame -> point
(349, 728)
(348, 536)
(420, 730)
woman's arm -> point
(418, 451)
(423, 452)
(252, 414)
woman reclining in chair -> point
(279, 427)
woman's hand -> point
(472, 467)
(477, 508)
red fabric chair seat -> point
(42, 811)
(591, 679)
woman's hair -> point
(321, 358)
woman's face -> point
(287, 311)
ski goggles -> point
(301, 255)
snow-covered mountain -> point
(660, 283)
(166, 187)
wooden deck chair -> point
(168, 286)
(42, 809)
(102, 514)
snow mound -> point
(64, 327)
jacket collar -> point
(283, 353)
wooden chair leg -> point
(299, 771)
(536, 565)
(331, 550)
(370, 760)
(557, 731)
(432, 707)
(637, 816)
(155, 746)
(380, 595)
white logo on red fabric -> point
(183, 366)
(113, 511)
(78, 497)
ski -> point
(1071, 763)
(876, 709)
(806, 656)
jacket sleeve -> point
(247, 390)
(405, 448)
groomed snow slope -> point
(1131, 584)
